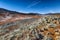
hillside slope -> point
(15, 26)
(11, 16)
(46, 28)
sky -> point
(35, 6)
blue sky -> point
(35, 6)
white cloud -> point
(51, 11)
(33, 4)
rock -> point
(49, 38)
(40, 36)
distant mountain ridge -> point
(52, 14)
(2, 10)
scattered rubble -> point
(44, 28)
